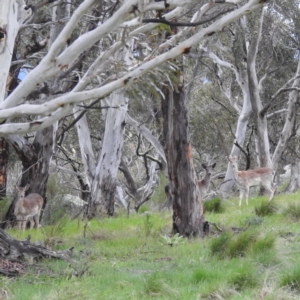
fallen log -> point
(15, 250)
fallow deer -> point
(27, 208)
(204, 183)
(245, 179)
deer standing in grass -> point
(27, 208)
(204, 183)
(245, 179)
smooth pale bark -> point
(86, 149)
(52, 64)
(104, 185)
(244, 114)
(148, 136)
(289, 121)
(12, 15)
(188, 213)
(263, 145)
(294, 184)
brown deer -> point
(27, 208)
(204, 183)
(245, 179)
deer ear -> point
(27, 187)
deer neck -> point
(235, 172)
(206, 179)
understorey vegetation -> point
(252, 256)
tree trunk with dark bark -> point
(4, 151)
(187, 207)
(36, 158)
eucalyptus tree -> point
(254, 69)
(71, 46)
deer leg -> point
(24, 222)
(247, 194)
(270, 190)
(19, 225)
(31, 223)
(241, 196)
(36, 220)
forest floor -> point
(255, 257)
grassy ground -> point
(256, 257)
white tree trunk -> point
(263, 145)
(104, 184)
(289, 121)
(12, 15)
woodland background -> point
(112, 98)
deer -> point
(246, 179)
(204, 183)
(27, 208)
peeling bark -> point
(187, 206)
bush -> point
(292, 279)
(292, 211)
(228, 245)
(240, 244)
(219, 245)
(266, 208)
(214, 205)
(245, 276)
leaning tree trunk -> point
(187, 207)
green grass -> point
(255, 257)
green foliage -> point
(117, 260)
(292, 211)
(219, 244)
(229, 245)
(266, 208)
(159, 195)
(214, 205)
(252, 221)
(52, 234)
(244, 277)
(155, 287)
(202, 274)
(148, 225)
(291, 279)
(143, 209)
(4, 205)
(172, 240)
(53, 187)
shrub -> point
(219, 244)
(292, 278)
(203, 275)
(214, 205)
(266, 208)
(228, 245)
(292, 211)
(239, 245)
(245, 276)
(253, 221)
